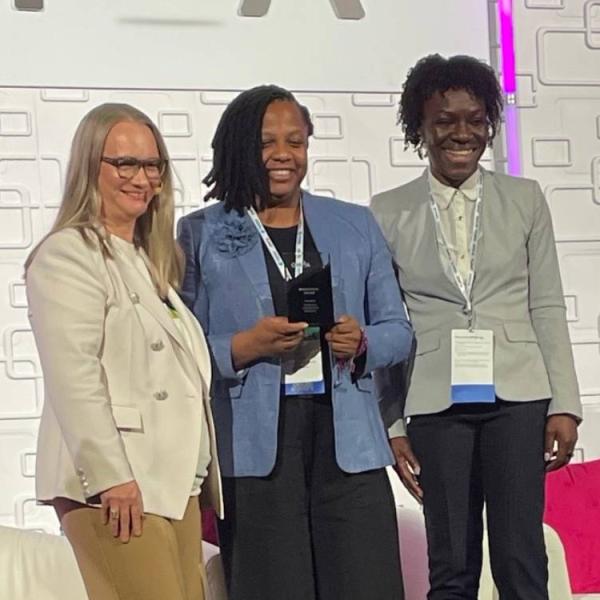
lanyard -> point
(279, 262)
(465, 287)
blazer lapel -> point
(320, 222)
(143, 292)
(429, 232)
(490, 204)
(322, 228)
(198, 353)
(254, 266)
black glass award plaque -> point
(310, 298)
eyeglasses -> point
(128, 167)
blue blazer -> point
(227, 287)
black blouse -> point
(284, 239)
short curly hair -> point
(434, 73)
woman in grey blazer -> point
(126, 437)
(477, 264)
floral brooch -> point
(235, 235)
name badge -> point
(303, 369)
(472, 366)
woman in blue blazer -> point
(308, 508)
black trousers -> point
(309, 530)
(473, 454)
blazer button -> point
(135, 299)
(157, 346)
(162, 395)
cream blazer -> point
(116, 405)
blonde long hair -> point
(81, 202)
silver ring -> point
(114, 514)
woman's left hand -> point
(123, 510)
(344, 337)
(561, 430)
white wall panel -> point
(558, 63)
(209, 44)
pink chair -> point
(573, 511)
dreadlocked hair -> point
(238, 176)
(435, 73)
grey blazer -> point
(517, 293)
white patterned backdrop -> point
(558, 66)
(356, 151)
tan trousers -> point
(165, 563)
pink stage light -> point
(509, 86)
(507, 46)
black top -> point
(284, 239)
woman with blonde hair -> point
(126, 437)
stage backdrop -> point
(182, 62)
(324, 45)
(558, 68)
